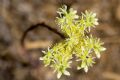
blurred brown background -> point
(18, 62)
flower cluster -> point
(85, 48)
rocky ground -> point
(20, 46)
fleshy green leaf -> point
(66, 73)
(86, 68)
(59, 75)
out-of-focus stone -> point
(43, 73)
(48, 11)
(118, 12)
(104, 30)
(66, 2)
(25, 8)
(20, 73)
(102, 9)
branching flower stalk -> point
(85, 48)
